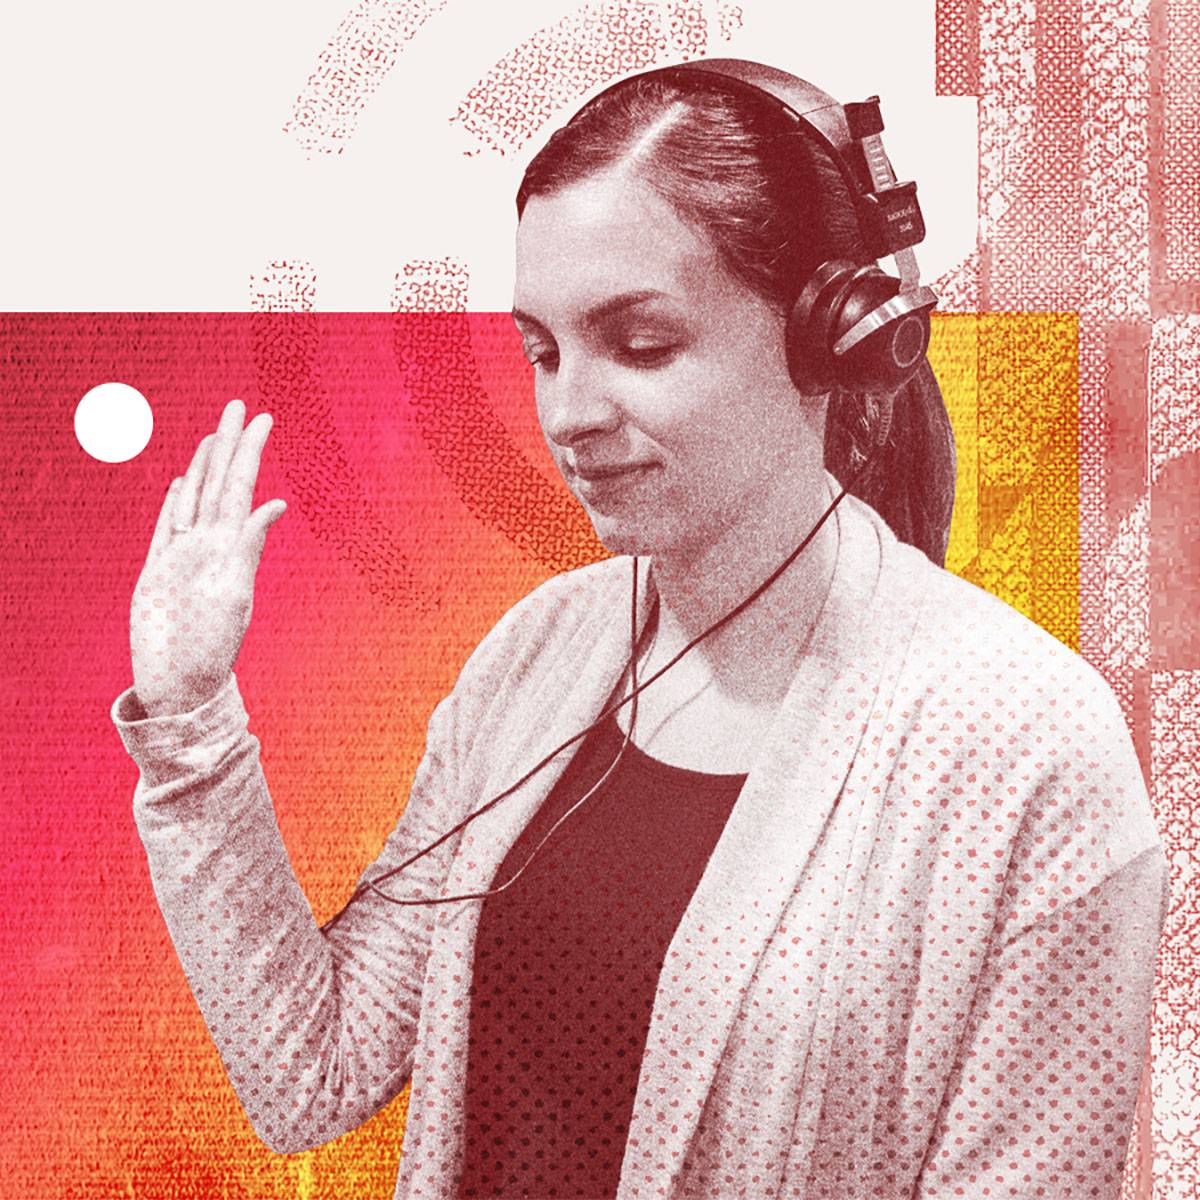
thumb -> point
(261, 519)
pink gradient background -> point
(118, 1091)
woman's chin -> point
(619, 540)
(620, 536)
(629, 536)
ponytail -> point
(910, 479)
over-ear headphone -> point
(853, 325)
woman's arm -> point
(316, 1029)
(1041, 1098)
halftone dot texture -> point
(567, 960)
(351, 68)
(1175, 701)
(1177, 23)
(814, 1032)
(339, 761)
(596, 43)
(956, 54)
(1087, 205)
(1011, 386)
(124, 1094)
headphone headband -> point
(888, 213)
(854, 325)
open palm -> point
(192, 602)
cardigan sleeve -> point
(316, 1027)
(1040, 1100)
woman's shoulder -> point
(965, 636)
(1006, 714)
(955, 633)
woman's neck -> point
(754, 657)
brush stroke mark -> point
(287, 346)
(468, 441)
(596, 43)
(351, 68)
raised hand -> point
(192, 603)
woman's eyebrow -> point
(600, 311)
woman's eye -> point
(648, 355)
(637, 355)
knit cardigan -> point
(918, 964)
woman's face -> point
(661, 381)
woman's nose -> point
(576, 401)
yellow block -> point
(1011, 386)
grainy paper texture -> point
(148, 246)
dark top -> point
(567, 960)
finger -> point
(189, 490)
(229, 433)
(166, 517)
(238, 492)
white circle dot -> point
(113, 422)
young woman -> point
(856, 894)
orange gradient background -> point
(114, 1087)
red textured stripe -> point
(957, 48)
(1174, 156)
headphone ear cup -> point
(811, 325)
(835, 298)
(888, 356)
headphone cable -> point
(635, 689)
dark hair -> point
(775, 205)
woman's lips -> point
(599, 480)
(598, 473)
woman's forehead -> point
(602, 237)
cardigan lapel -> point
(745, 886)
(572, 685)
(789, 793)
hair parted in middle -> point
(775, 206)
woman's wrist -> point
(177, 702)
